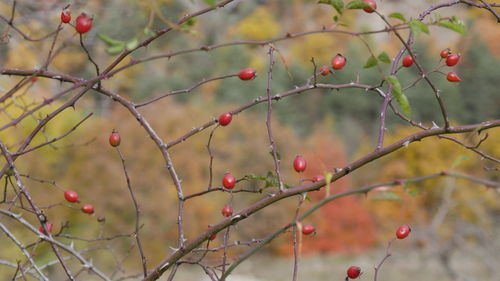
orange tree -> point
(32, 122)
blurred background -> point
(455, 222)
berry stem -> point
(91, 60)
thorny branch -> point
(80, 87)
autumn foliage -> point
(141, 139)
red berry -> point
(403, 231)
(65, 16)
(71, 196)
(338, 61)
(373, 5)
(247, 74)
(49, 228)
(227, 211)
(213, 237)
(299, 164)
(353, 272)
(452, 59)
(318, 178)
(88, 209)
(114, 139)
(34, 79)
(83, 23)
(452, 77)
(407, 61)
(225, 119)
(308, 229)
(445, 53)
(324, 70)
(228, 181)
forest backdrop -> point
(329, 128)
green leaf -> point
(338, 5)
(454, 24)
(271, 180)
(413, 191)
(270, 175)
(277, 155)
(268, 184)
(396, 86)
(132, 44)
(384, 57)
(148, 32)
(459, 160)
(358, 4)
(254, 177)
(210, 2)
(190, 22)
(115, 50)
(397, 92)
(417, 26)
(387, 195)
(108, 40)
(404, 103)
(398, 16)
(371, 62)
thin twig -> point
(39, 214)
(85, 263)
(387, 255)
(24, 251)
(24, 35)
(54, 139)
(481, 153)
(137, 214)
(297, 244)
(188, 90)
(211, 161)
(268, 120)
(224, 255)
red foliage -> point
(343, 225)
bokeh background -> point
(455, 223)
